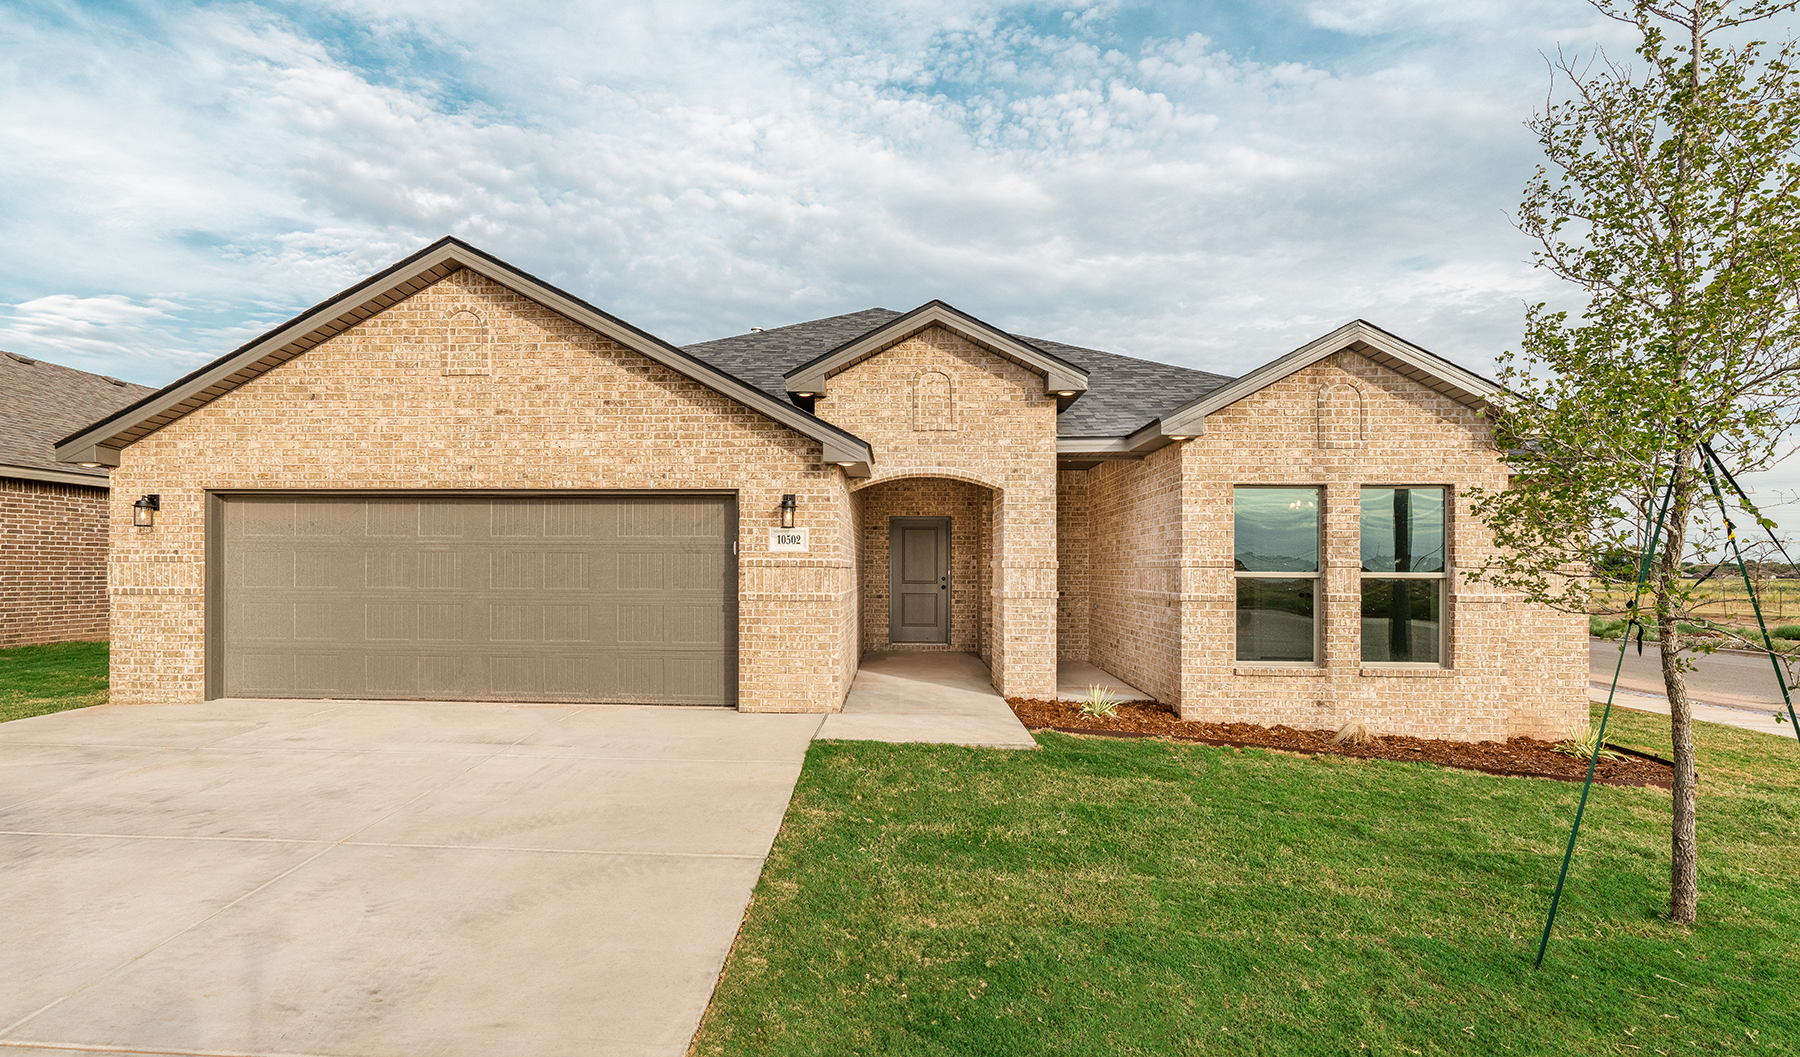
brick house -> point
(53, 531)
(454, 481)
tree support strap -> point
(1600, 737)
(1762, 625)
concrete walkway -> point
(304, 877)
(1076, 679)
(1762, 721)
(942, 698)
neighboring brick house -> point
(53, 531)
(454, 481)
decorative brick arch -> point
(857, 485)
(934, 405)
(1343, 418)
(468, 347)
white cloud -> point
(180, 178)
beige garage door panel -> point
(614, 598)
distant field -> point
(1728, 602)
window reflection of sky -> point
(1426, 520)
(1276, 529)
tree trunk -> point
(1684, 851)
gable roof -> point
(1123, 392)
(1062, 379)
(1358, 336)
(39, 402)
(763, 357)
(100, 443)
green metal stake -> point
(1755, 605)
(1600, 737)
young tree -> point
(1671, 198)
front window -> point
(1403, 575)
(1275, 543)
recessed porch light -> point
(1065, 392)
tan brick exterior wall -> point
(1514, 668)
(1074, 533)
(52, 563)
(551, 405)
(1002, 436)
(1135, 549)
(1128, 565)
(963, 503)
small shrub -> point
(1584, 743)
(1787, 631)
(1355, 732)
(1601, 628)
(1100, 702)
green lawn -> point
(1136, 897)
(39, 679)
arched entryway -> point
(925, 565)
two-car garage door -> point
(589, 598)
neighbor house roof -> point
(39, 402)
(101, 442)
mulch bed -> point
(1521, 757)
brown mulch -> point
(1524, 757)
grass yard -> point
(1723, 598)
(1144, 897)
(35, 680)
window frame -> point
(1442, 577)
(1317, 576)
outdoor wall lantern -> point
(143, 512)
(787, 510)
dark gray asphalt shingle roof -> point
(42, 402)
(1123, 393)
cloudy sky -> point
(1206, 183)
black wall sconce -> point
(143, 512)
(787, 510)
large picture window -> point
(1403, 575)
(1275, 545)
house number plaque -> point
(793, 539)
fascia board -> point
(1059, 374)
(96, 454)
(1190, 418)
(1091, 446)
(247, 356)
(448, 254)
(1135, 445)
(32, 473)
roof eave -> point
(1358, 336)
(102, 441)
(1063, 380)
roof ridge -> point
(789, 326)
(1124, 356)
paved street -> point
(1732, 679)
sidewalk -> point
(1762, 721)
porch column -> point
(1024, 556)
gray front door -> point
(919, 579)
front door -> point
(919, 579)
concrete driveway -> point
(332, 878)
